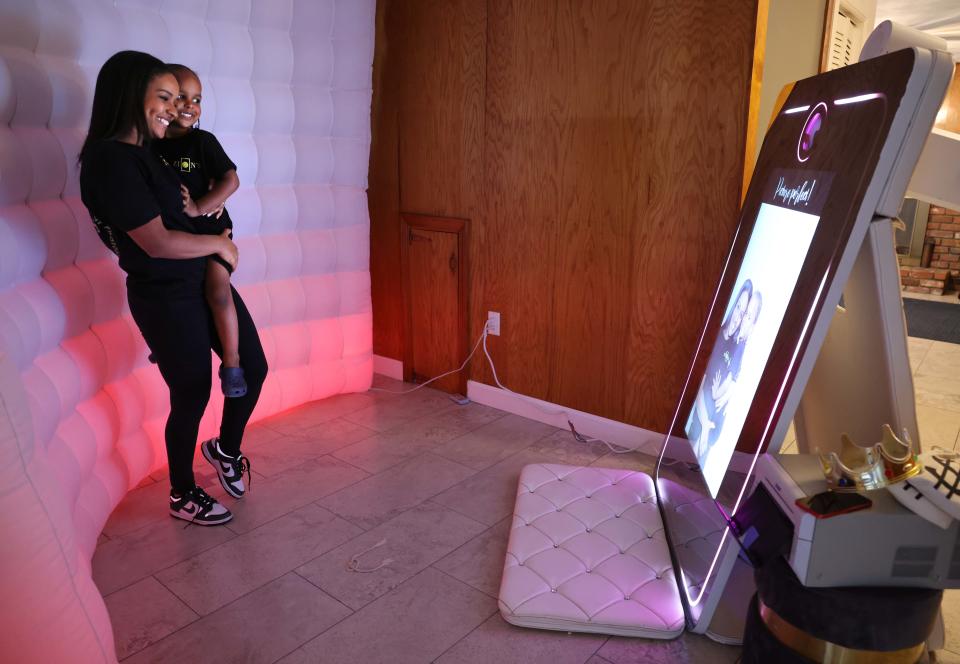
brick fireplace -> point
(939, 270)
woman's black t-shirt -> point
(198, 158)
(124, 186)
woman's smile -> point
(159, 104)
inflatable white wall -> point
(287, 89)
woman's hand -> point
(229, 251)
(189, 205)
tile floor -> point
(415, 479)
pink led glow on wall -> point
(287, 89)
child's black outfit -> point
(199, 159)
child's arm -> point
(214, 199)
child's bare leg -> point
(220, 299)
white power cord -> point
(453, 371)
(353, 565)
(556, 411)
(553, 410)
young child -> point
(208, 178)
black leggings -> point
(180, 334)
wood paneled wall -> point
(426, 155)
(597, 150)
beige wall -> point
(867, 9)
(794, 36)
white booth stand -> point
(807, 322)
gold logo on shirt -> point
(185, 164)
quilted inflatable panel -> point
(588, 553)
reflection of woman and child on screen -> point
(723, 368)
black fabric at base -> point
(762, 647)
(862, 618)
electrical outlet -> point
(493, 323)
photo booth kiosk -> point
(806, 323)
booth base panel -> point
(588, 553)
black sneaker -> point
(229, 469)
(197, 506)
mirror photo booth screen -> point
(752, 317)
(799, 216)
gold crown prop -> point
(858, 468)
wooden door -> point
(435, 282)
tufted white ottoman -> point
(588, 553)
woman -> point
(136, 206)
